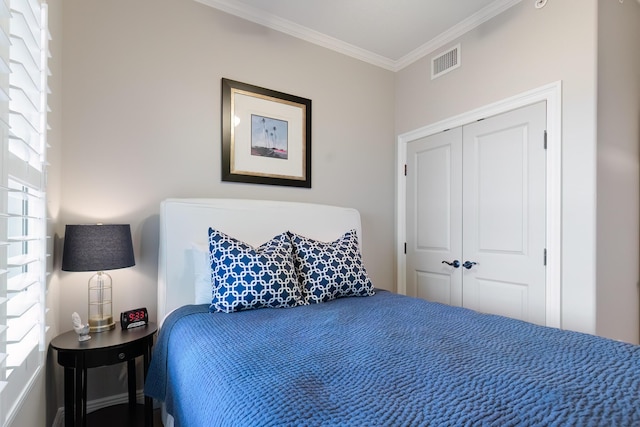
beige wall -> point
(618, 194)
(141, 123)
(522, 49)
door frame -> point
(552, 94)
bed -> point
(363, 357)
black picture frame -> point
(266, 136)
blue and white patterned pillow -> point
(327, 271)
(245, 278)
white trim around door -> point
(552, 94)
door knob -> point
(469, 264)
(454, 264)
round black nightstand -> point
(104, 348)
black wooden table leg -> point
(84, 395)
(148, 402)
(131, 381)
(69, 397)
(78, 394)
(131, 386)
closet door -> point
(434, 217)
(476, 215)
(504, 224)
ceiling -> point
(388, 33)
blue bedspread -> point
(387, 360)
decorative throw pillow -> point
(331, 270)
(245, 278)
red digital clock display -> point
(137, 315)
(134, 318)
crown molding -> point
(463, 27)
(291, 28)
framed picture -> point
(266, 136)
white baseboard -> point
(94, 405)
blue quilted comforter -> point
(387, 360)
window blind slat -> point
(22, 148)
(20, 78)
(23, 194)
(18, 328)
(4, 64)
(21, 260)
(27, 238)
(21, 54)
(20, 304)
(4, 35)
(23, 169)
(29, 121)
(20, 28)
(23, 350)
(31, 9)
(18, 332)
(30, 118)
(26, 258)
(4, 10)
(23, 103)
(22, 282)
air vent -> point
(445, 62)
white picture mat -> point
(243, 106)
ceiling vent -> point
(445, 62)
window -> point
(23, 224)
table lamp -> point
(98, 247)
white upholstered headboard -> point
(185, 222)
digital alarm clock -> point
(134, 318)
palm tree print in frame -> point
(269, 137)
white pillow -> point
(202, 273)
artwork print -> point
(269, 137)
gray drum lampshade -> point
(97, 247)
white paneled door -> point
(434, 217)
(476, 215)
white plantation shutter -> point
(23, 224)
